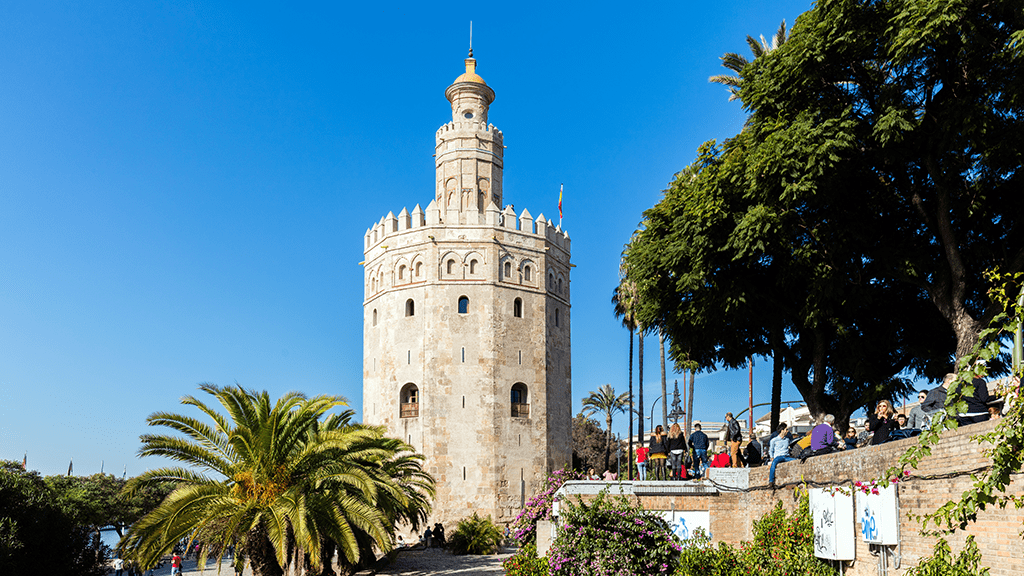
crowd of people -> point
(668, 456)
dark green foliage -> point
(588, 444)
(942, 562)
(612, 536)
(40, 529)
(475, 535)
(845, 230)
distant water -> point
(109, 537)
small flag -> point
(24, 462)
(70, 464)
(561, 187)
(124, 474)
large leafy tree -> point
(844, 231)
(284, 481)
(40, 529)
(605, 401)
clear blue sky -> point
(184, 186)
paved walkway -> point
(422, 562)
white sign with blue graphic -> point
(684, 523)
(878, 515)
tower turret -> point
(468, 151)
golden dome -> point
(470, 75)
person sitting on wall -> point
(699, 443)
(721, 459)
(823, 437)
(977, 402)
(851, 438)
(882, 422)
(778, 451)
(752, 453)
(918, 420)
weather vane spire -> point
(470, 38)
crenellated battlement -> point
(491, 218)
(475, 126)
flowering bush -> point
(526, 563)
(524, 527)
(612, 537)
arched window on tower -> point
(559, 285)
(556, 316)
(409, 399)
(472, 266)
(410, 307)
(520, 401)
(419, 269)
(451, 267)
(526, 273)
(508, 270)
(374, 316)
(401, 272)
(517, 308)
(463, 305)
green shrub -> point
(783, 545)
(612, 536)
(475, 535)
(942, 562)
(526, 563)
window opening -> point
(408, 357)
(556, 316)
(409, 402)
(451, 266)
(401, 272)
(463, 355)
(526, 273)
(374, 316)
(517, 308)
(508, 270)
(410, 307)
(472, 266)
(520, 357)
(419, 269)
(520, 403)
(463, 305)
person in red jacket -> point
(641, 463)
(175, 564)
(721, 460)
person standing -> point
(699, 443)
(641, 463)
(676, 446)
(118, 566)
(175, 564)
(658, 454)
(778, 451)
(733, 436)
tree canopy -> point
(845, 230)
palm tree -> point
(606, 401)
(623, 298)
(282, 481)
(737, 63)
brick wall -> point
(996, 530)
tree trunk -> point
(630, 404)
(261, 553)
(664, 391)
(778, 353)
(608, 440)
(640, 386)
(689, 410)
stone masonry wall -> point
(939, 478)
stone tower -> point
(466, 348)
